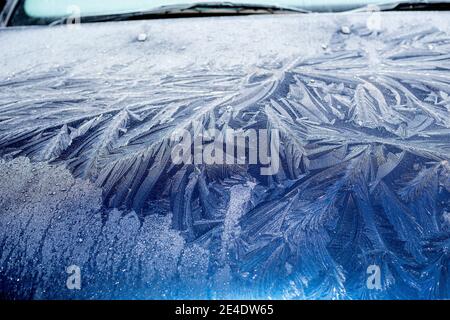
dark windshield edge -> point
(14, 8)
(190, 10)
(421, 5)
(8, 11)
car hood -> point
(360, 103)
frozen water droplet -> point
(142, 37)
(345, 30)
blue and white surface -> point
(86, 178)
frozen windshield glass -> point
(59, 8)
(47, 11)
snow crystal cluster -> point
(86, 176)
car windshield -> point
(47, 11)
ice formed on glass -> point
(86, 176)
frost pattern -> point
(47, 226)
(365, 179)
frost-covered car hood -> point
(86, 176)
